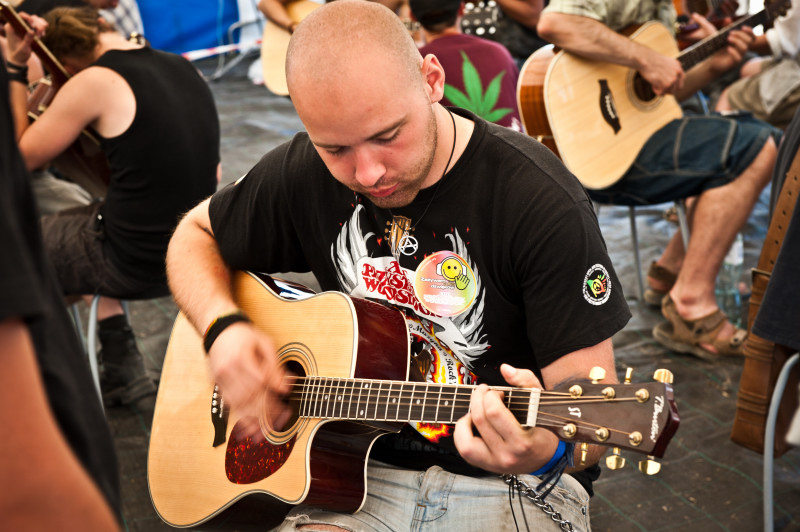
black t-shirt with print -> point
(508, 209)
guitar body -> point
(198, 468)
(601, 114)
(530, 96)
(274, 44)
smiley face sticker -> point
(445, 284)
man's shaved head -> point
(346, 34)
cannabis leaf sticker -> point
(475, 100)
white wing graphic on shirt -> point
(462, 334)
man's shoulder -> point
(465, 42)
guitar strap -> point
(763, 358)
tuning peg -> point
(663, 375)
(649, 466)
(597, 374)
(615, 461)
(628, 375)
(584, 452)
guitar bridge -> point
(219, 417)
(608, 108)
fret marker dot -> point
(361, 412)
(446, 403)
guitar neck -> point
(378, 400)
(57, 71)
(713, 43)
(641, 417)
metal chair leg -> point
(769, 440)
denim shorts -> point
(74, 241)
(690, 155)
(436, 500)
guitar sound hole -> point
(643, 89)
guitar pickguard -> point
(247, 461)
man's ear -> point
(433, 73)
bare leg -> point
(674, 254)
(718, 215)
(106, 308)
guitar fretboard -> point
(703, 49)
(377, 400)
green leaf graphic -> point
(475, 100)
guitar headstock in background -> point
(480, 17)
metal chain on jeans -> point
(526, 491)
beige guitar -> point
(354, 383)
(274, 44)
(598, 115)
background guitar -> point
(480, 18)
(352, 359)
(275, 42)
(83, 162)
(599, 115)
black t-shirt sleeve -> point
(572, 296)
(254, 219)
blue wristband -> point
(562, 447)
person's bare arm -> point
(242, 359)
(594, 40)
(45, 486)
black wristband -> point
(15, 75)
(14, 66)
(220, 324)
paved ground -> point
(706, 483)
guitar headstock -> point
(775, 9)
(640, 417)
(480, 17)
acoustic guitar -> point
(84, 161)
(597, 116)
(351, 359)
(274, 44)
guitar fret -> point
(339, 398)
(453, 405)
(326, 397)
(350, 386)
(359, 410)
(370, 408)
(438, 402)
(304, 399)
(397, 400)
(380, 401)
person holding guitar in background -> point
(159, 129)
(770, 84)
(725, 161)
(53, 193)
(513, 281)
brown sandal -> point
(652, 296)
(687, 336)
